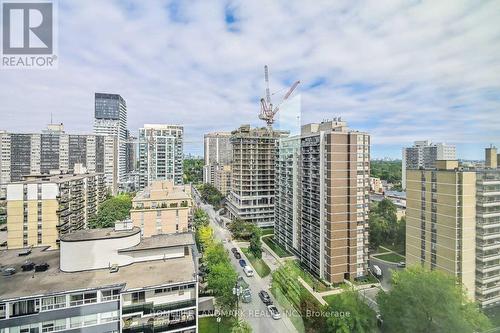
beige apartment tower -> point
(162, 208)
(441, 221)
(223, 179)
(43, 208)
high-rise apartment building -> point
(287, 190)
(441, 221)
(131, 155)
(54, 151)
(217, 153)
(252, 191)
(223, 179)
(162, 208)
(424, 154)
(110, 118)
(334, 201)
(42, 208)
(120, 283)
(160, 154)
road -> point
(254, 312)
(386, 268)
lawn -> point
(281, 252)
(369, 279)
(309, 279)
(258, 264)
(397, 248)
(209, 325)
(494, 315)
(267, 231)
(330, 299)
(391, 257)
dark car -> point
(242, 262)
(234, 250)
(237, 255)
(264, 296)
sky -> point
(399, 70)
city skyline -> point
(432, 78)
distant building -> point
(110, 118)
(376, 185)
(43, 208)
(424, 154)
(223, 179)
(160, 154)
(252, 191)
(54, 151)
(217, 154)
(162, 208)
(119, 283)
(131, 153)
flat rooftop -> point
(53, 281)
(56, 178)
(163, 241)
(94, 234)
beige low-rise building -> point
(162, 208)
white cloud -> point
(399, 70)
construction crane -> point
(267, 112)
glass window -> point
(76, 322)
(76, 299)
(90, 319)
(109, 316)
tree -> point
(428, 301)
(193, 170)
(204, 237)
(200, 218)
(241, 326)
(111, 210)
(255, 242)
(210, 195)
(357, 315)
(221, 279)
(385, 227)
(215, 254)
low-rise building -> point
(119, 284)
(44, 207)
(376, 185)
(162, 208)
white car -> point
(248, 271)
(273, 310)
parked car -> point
(248, 271)
(242, 262)
(9, 271)
(234, 250)
(273, 310)
(242, 283)
(237, 255)
(264, 296)
(377, 271)
(401, 264)
(246, 296)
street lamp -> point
(218, 323)
(237, 292)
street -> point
(386, 268)
(254, 312)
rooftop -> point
(162, 241)
(53, 281)
(56, 178)
(94, 234)
(161, 190)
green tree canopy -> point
(210, 195)
(428, 301)
(111, 210)
(255, 242)
(353, 315)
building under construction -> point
(252, 192)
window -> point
(54, 325)
(22, 308)
(76, 322)
(90, 320)
(33, 328)
(57, 302)
(108, 295)
(109, 316)
(138, 297)
(84, 298)
(2, 311)
(76, 299)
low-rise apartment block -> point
(119, 284)
(223, 179)
(42, 208)
(162, 208)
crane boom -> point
(291, 90)
(266, 76)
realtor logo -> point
(28, 34)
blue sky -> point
(402, 71)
